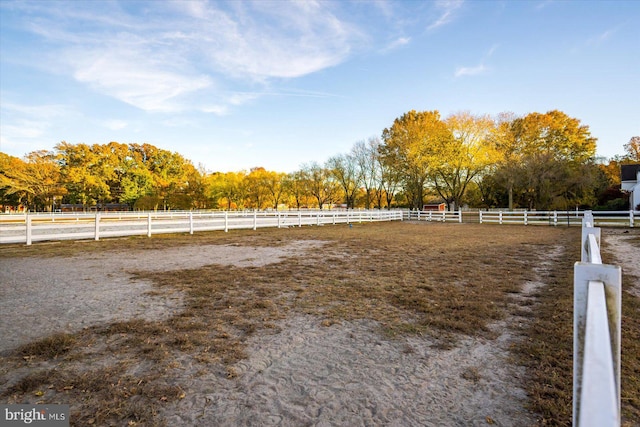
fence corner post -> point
(97, 226)
(28, 223)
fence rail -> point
(524, 217)
(40, 227)
(596, 334)
(28, 228)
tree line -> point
(538, 161)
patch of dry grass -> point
(547, 348)
(443, 281)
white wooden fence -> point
(524, 217)
(21, 228)
(439, 216)
(40, 227)
(596, 335)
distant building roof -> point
(630, 172)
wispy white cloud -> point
(477, 69)
(447, 10)
(470, 71)
(602, 37)
(183, 55)
(135, 78)
(40, 112)
(397, 43)
(274, 41)
(25, 126)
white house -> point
(631, 184)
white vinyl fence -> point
(523, 217)
(28, 228)
(596, 335)
(40, 227)
(556, 218)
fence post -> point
(525, 218)
(190, 222)
(28, 221)
(631, 218)
(299, 218)
(480, 216)
(255, 219)
(500, 217)
(555, 218)
(611, 277)
(460, 216)
(97, 228)
(149, 224)
(226, 221)
(278, 219)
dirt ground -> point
(306, 371)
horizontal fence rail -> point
(28, 228)
(524, 217)
(41, 227)
(596, 335)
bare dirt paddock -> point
(379, 324)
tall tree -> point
(296, 185)
(344, 169)
(410, 145)
(81, 174)
(33, 182)
(541, 153)
(276, 187)
(366, 155)
(320, 184)
(460, 159)
(257, 187)
(632, 149)
(226, 190)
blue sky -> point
(235, 85)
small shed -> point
(440, 207)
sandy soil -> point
(346, 375)
(625, 255)
(64, 294)
(306, 373)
